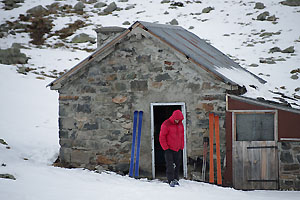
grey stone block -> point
(139, 85)
(67, 123)
(286, 157)
(163, 77)
(85, 108)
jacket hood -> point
(177, 115)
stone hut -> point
(149, 67)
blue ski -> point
(136, 174)
(135, 115)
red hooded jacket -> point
(171, 134)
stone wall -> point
(96, 108)
(289, 165)
(105, 34)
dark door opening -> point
(161, 113)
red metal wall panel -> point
(228, 169)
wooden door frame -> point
(233, 124)
(184, 155)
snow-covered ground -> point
(29, 110)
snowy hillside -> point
(267, 45)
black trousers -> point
(173, 161)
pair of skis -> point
(214, 127)
(137, 117)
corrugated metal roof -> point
(195, 48)
(190, 45)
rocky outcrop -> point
(12, 56)
(82, 38)
(291, 2)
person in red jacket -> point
(171, 139)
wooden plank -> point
(211, 147)
(272, 166)
(219, 175)
(246, 165)
(264, 162)
(238, 166)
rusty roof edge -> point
(268, 104)
(91, 57)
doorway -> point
(254, 150)
(159, 113)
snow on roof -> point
(255, 89)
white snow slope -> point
(29, 110)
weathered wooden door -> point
(255, 160)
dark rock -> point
(12, 56)
(63, 134)
(117, 68)
(89, 126)
(286, 145)
(207, 10)
(178, 4)
(194, 87)
(253, 65)
(88, 89)
(37, 11)
(53, 8)
(297, 185)
(165, 1)
(143, 58)
(100, 5)
(294, 77)
(66, 123)
(294, 71)
(272, 18)
(274, 49)
(268, 34)
(259, 5)
(267, 60)
(120, 87)
(7, 176)
(125, 138)
(289, 50)
(82, 38)
(286, 157)
(91, 1)
(298, 158)
(203, 123)
(116, 132)
(174, 22)
(3, 142)
(162, 77)
(263, 16)
(110, 8)
(79, 7)
(25, 70)
(122, 168)
(292, 167)
(126, 23)
(11, 4)
(139, 85)
(291, 2)
(85, 108)
(130, 7)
